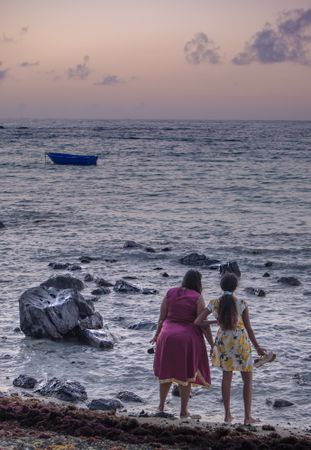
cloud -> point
(110, 80)
(80, 71)
(288, 40)
(201, 49)
(29, 64)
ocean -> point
(232, 190)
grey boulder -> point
(69, 391)
(105, 404)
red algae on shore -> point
(21, 418)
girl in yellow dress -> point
(232, 349)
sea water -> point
(235, 190)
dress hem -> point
(198, 374)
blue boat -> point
(76, 160)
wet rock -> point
(150, 351)
(166, 249)
(175, 391)
(290, 281)
(279, 403)
(25, 382)
(129, 277)
(125, 288)
(143, 325)
(158, 268)
(2, 225)
(46, 315)
(231, 267)
(268, 427)
(88, 277)
(17, 330)
(165, 275)
(86, 259)
(131, 244)
(58, 266)
(195, 259)
(266, 275)
(303, 378)
(150, 250)
(96, 338)
(101, 291)
(257, 292)
(101, 282)
(127, 396)
(105, 404)
(64, 282)
(94, 322)
(269, 264)
(149, 291)
(69, 391)
(74, 267)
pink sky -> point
(155, 59)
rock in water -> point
(195, 259)
(254, 291)
(124, 287)
(64, 282)
(127, 396)
(290, 281)
(105, 404)
(46, 315)
(143, 325)
(25, 382)
(231, 267)
(96, 338)
(69, 391)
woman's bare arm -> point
(250, 332)
(204, 324)
(162, 317)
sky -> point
(155, 59)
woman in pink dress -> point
(180, 355)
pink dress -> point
(181, 355)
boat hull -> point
(71, 159)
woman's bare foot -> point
(184, 414)
(251, 421)
(228, 419)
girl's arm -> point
(163, 314)
(202, 323)
(247, 323)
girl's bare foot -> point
(184, 414)
(228, 419)
(251, 421)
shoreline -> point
(24, 421)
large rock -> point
(69, 391)
(279, 403)
(96, 338)
(25, 382)
(290, 281)
(52, 314)
(195, 259)
(125, 288)
(105, 404)
(127, 396)
(64, 282)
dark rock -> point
(257, 292)
(64, 282)
(143, 414)
(88, 277)
(105, 404)
(58, 266)
(131, 244)
(165, 275)
(268, 427)
(280, 403)
(150, 250)
(307, 293)
(125, 288)
(214, 267)
(129, 277)
(269, 264)
(195, 259)
(166, 249)
(86, 259)
(74, 267)
(43, 315)
(143, 325)
(2, 225)
(149, 291)
(164, 415)
(175, 391)
(25, 382)
(303, 378)
(69, 391)
(231, 267)
(94, 322)
(150, 351)
(101, 291)
(290, 281)
(17, 330)
(127, 396)
(158, 268)
(102, 283)
(266, 275)
(96, 338)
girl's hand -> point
(260, 351)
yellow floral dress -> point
(232, 349)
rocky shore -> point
(35, 424)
